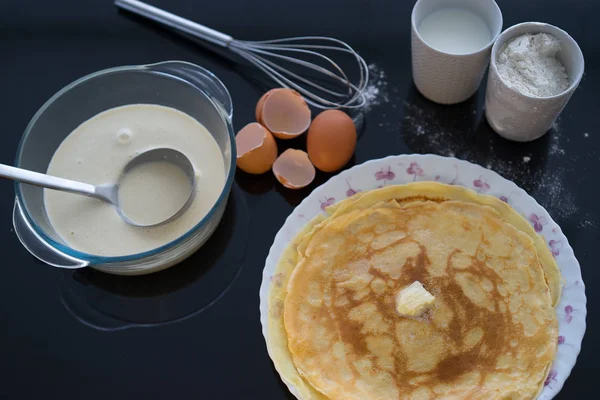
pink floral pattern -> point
(568, 286)
(415, 170)
(569, 314)
(538, 222)
(303, 217)
(351, 191)
(562, 341)
(326, 202)
(554, 247)
(481, 185)
(505, 199)
(551, 377)
(385, 175)
(455, 180)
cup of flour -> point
(534, 70)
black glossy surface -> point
(218, 352)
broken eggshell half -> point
(256, 149)
(293, 169)
(284, 113)
(261, 103)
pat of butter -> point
(413, 300)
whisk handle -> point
(172, 20)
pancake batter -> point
(97, 151)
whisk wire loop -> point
(266, 55)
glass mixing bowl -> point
(181, 85)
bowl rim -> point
(93, 259)
(495, 33)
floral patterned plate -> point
(571, 310)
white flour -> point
(587, 223)
(376, 92)
(423, 132)
(529, 65)
(422, 128)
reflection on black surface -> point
(298, 143)
(462, 131)
(110, 302)
(358, 117)
(294, 196)
(255, 184)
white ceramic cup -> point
(517, 116)
(447, 78)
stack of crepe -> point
(491, 333)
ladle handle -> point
(174, 21)
(47, 181)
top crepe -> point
(333, 331)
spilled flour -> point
(553, 194)
(454, 133)
(555, 147)
(544, 169)
(376, 92)
(587, 223)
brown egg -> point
(293, 169)
(256, 149)
(284, 113)
(331, 140)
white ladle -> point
(110, 192)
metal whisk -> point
(266, 54)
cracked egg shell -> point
(261, 103)
(293, 169)
(284, 113)
(256, 149)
